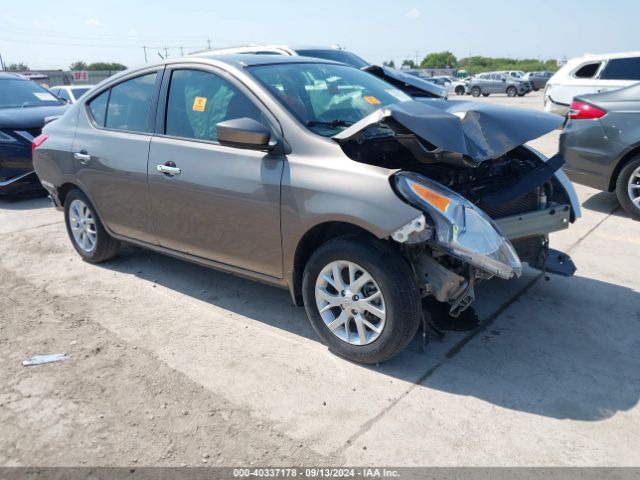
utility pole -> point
(209, 43)
(166, 55)
(417, 64)
(181, 51)
(1, 63)
(145, 54)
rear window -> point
(20, 93)
(129, 104)
(587, 71)
(98, 108)
(622, 69)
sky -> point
(49, 35)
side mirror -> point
(504, 79)
(245, 133)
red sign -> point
(81, 76)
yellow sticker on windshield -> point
(199, 104)
(372, 100)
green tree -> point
(79, 65)
(444, 59)
(112, 66)
(408, 63)
(478, 64)
(18, 67)
(389, 63)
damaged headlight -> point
(462, 229)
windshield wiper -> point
(332, 124)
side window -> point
(587, 71)
(198, 101)
(622, 69)
(129, 104)
(98, 108)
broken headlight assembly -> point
(461, 229)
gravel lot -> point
(174, 364)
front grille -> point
(525, 203)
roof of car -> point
(250, 60)
(11, 76)
(605, 56)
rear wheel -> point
(361, 298)
(511, 91)
(475, 91)
(87, 234)
(628, 188)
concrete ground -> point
(174, 364)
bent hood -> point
(456, 131)
(409, 84)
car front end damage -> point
(488, 202)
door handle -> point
(82, 156)
(169, 170)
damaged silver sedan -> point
(313, 176)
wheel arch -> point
(626, 158)
(309, 243)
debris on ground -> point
(42, 359)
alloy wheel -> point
(83, 225)
(350, 302)
(633, 187)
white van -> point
(590, 74)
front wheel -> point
(628, 188)
(475, 91)
(512, 92)
(362, 299)
(86, 231)
(459, 90)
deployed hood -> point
(409, 84)
(28, 117)
(459, 132)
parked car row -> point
(358, 188)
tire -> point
(626, 193)
(521, 94)
(91, 240)
(512, 92)
(536, 89)
(391, 276)
(459, 90)
(475, 91)
(485, 94)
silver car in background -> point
(313, 176)
(487, 83)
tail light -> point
(583, 111)
(39, 140)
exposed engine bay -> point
(517, 191)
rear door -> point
(224, 204)
(111, 149)
(619, 73)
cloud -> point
(413, 13)
(92, 22)
(133, 31)
(37, 23)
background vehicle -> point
(24, 106)
(488, 83)
(452, 84)
(601, 144)
(412, 85)
(518, 75)
(590, 74)
(310, 175)
(70, 93)
(538, 79)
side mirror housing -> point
(245, 133)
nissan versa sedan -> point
(24, 107)
(601, 143)
(314, 176)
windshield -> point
(326, 98)
(20, 93)
(341, 56)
